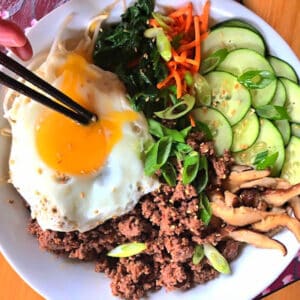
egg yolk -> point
(69, 147)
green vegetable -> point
(157, 155)
(178, 110)
(163, 46)
(124, 50)
(169, 174)
(213, 60)
(205, 209)
(127, 250)
(158, 130)
(162, 20)
(216, 259)
(260, 157)
(258, 79)
(176, 40)
(202, 90)
(272, 112)
(267, 162)
(181, 150)
(202, 178)
(198, 254)
(151, 33)
(190, 167)
(188, 78)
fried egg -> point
(76, 177)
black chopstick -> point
(70, 108)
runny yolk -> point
(69, 147)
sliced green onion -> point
(212, 61)
(272, 112)
(198, 254)
(158, 130)
(216, 259)
(202, 91)
(260, 157)
(127, 250)
(178, 110)
(205, 209)
(188, 77)
(257, 79)
(169, 174)
(190, 167)
(202, 178)
(151, 33)
(157, 155)
(267, 162)
(163, 46)
(162, 20)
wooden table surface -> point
(284, 16)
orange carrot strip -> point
(179, 12)
(188, 46)
(197, 41)
(189, 18)
(178, 84)
(205, 16)
(192, 62)
(153, 23)
(192, 121)
(163, 83)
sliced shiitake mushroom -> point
(236, 179)
(240, 216)
(256, 239)
(281, 196)
(272, 222)
(295, 205)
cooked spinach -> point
(123, 49)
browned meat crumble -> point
(168, 221)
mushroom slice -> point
(236, 179)
(231, 199)
(240, 168)
(267, 182)
(239, 216)
(295, 205)
(271, 222)
(281, 196)
(256, 239)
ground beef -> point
(167, 220)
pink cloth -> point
(26, 13)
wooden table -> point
(284, 16)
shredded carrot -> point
(197, 42)
(186, 57)
(189, 18)
(205, 16)
(153, 23)
(192, 121)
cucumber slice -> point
(232, 38)
(284, 128)
(240, 61)
(218, 125)
(236, 23)
(269, 139)
(229, 97)
(280, 95)
(245, 132)
(283, 69)
(291, 167)
(292, 99)
(295, 128)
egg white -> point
(64, 202)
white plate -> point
(58, 278)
